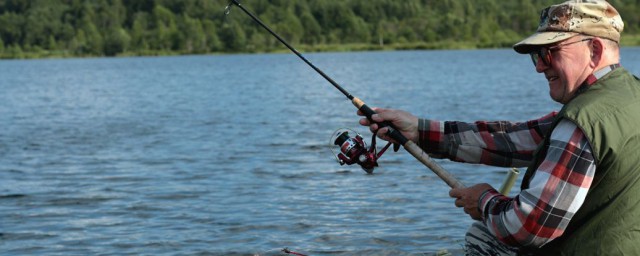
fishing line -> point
(409, 145)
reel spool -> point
(353, 150)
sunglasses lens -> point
(544, 56)
(538, 55)
(535, 56)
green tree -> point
(233, 37)
(213, 42)
(43, 19)
(357, 31)
(116, 41)
(95, 43)
(289, 27)
(52, 44)
(109, 14)
(11, 28)
(139, 32)
(15, 52)
(78, 45)
(14, 6)
(312, 29)
(193, 38)
(1, 47)
(165, 29)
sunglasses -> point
(544, 53)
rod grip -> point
(410, 146)
(368, 112)
(447, 177)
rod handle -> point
(368, 112)
(447, 177)
(410, 146)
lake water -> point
(229, 155)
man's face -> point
(565, 65)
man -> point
(581, 192)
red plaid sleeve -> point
(559, 187)
(497, 143)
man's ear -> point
(597, 51)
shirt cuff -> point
(485, 200)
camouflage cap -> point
(563, 21)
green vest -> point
(608, 223)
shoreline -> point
(627, 41)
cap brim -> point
(539, 39)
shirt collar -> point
(592, 78)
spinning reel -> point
(353, 150)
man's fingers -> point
(367, 122)
(383, 131)
(376, 118)
(377, 110)
(459, 202)
(455, 193)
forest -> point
(83, 28)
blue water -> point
(224, 155)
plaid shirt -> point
(540, 213)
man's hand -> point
(405, 122)
(468, 197)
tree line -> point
(43, 28)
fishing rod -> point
(393, 132)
